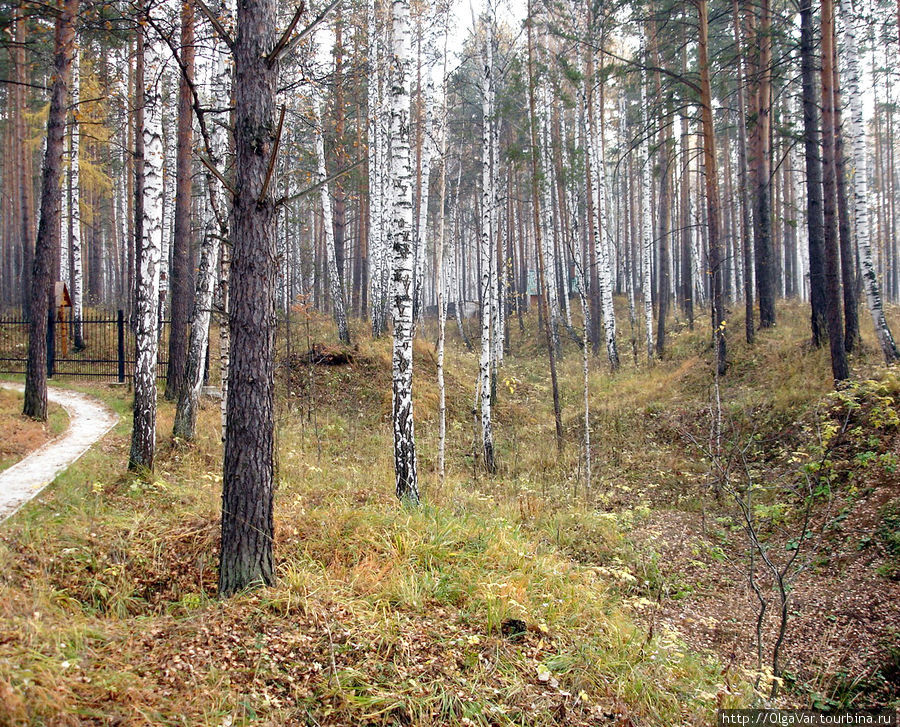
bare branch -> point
(286, 36)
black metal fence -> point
(106, 347)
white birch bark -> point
(849, 23)
(546, 216)
(439, 272)
(601, 227)
(646, 226)
(208, 271)
(401, 241)
(74, 232)
(376, 156)
(485, 247)
(143, 442)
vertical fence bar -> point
(120, 327)
(51, 342)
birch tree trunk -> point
(859, 179)
(600, 223)
(401, 240)
(646, 225)
(485, 364)
(74, 232)
(143, 433)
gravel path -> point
(89, 420)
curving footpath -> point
(89, 420)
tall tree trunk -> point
(182, 239)
(74, 241)
(338, 300)
(848, 259)
(401, 241)
(248, 487)
(712, 189)
(746, 245)
(536, 211)
(24, 162)
(814, 203)
(41, 297)
(860, 183)
(143, 433)
(762, 220)
(829, 189)
(486, 360)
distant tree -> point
(47, 244)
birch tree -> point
(401, 242)
(850, 22)
(74, 217)
(488, 180)
(143, 433)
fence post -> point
(120, 327)
(51, 342)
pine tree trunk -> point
(829, 189)
(182, 239)
(247, 499)
(812, 153)
(762, 190)
(848, 259)
(712, 190)
(47, 243)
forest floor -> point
(20, 435)
(522, 598)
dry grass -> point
(382, 615)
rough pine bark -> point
(47, 243)
(712, 190)
(246, 557)
(813, 160)
(833, 318)
(848, 258)
(182, 238)
(401, 243)
(762, 190)
(746, 243)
